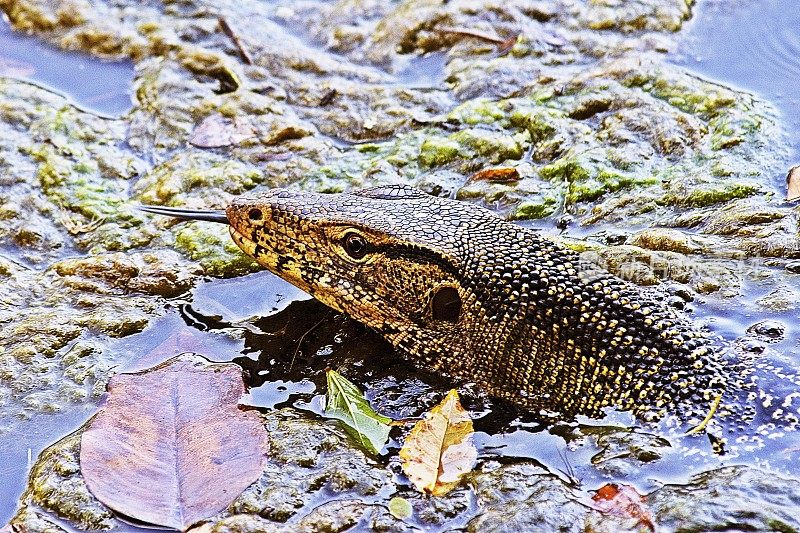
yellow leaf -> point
(439, 449)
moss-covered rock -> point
(210, 245)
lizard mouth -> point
(268, 258)
(247, 246)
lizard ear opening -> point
(446, 304)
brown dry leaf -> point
(793, 184)
(496, 175)
(439, 450)
(171, 446)
(216, 131)
(625, 502)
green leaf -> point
(346, 403)
(400, 508)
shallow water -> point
(100, 86)
(753, 45)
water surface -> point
(753, 45)
(100, 86)
(284, 341)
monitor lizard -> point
(462, 292)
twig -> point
(227, 30)
(503, 45)
(702, 425)
(303, 337)
(468, 32)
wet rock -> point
(624, 452)
(210, 245)
(769, 330)
(56, 486)
(525, 498)
(753, 346)
(166, 274)
(783, 298)
(637, 16)
(641, 266)
(44, 323)
(340, 515)
(738, 496)
(743, 218)
(680, 291)
(216, 178)
(28, 520)
(664, 239)
(306, 457)
(240, 523)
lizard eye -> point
(355, 245)
(254, 214)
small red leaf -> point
(496, 175)
(793, 184)
(625, 502)
(216, 131)
(171, 447)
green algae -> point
(540, 123)
(496, 147)
(211, 246)
(174, 181)
(479, 111)
(603, 182)
(438, 151)
(710, 101)
(710, 194)
(530, 209)
(586, 181)
(490, 147)
(78, 186)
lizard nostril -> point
(254, 214)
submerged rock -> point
(732, 497)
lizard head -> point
(390, 257)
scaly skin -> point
(461, 292)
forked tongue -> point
(209, 215)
